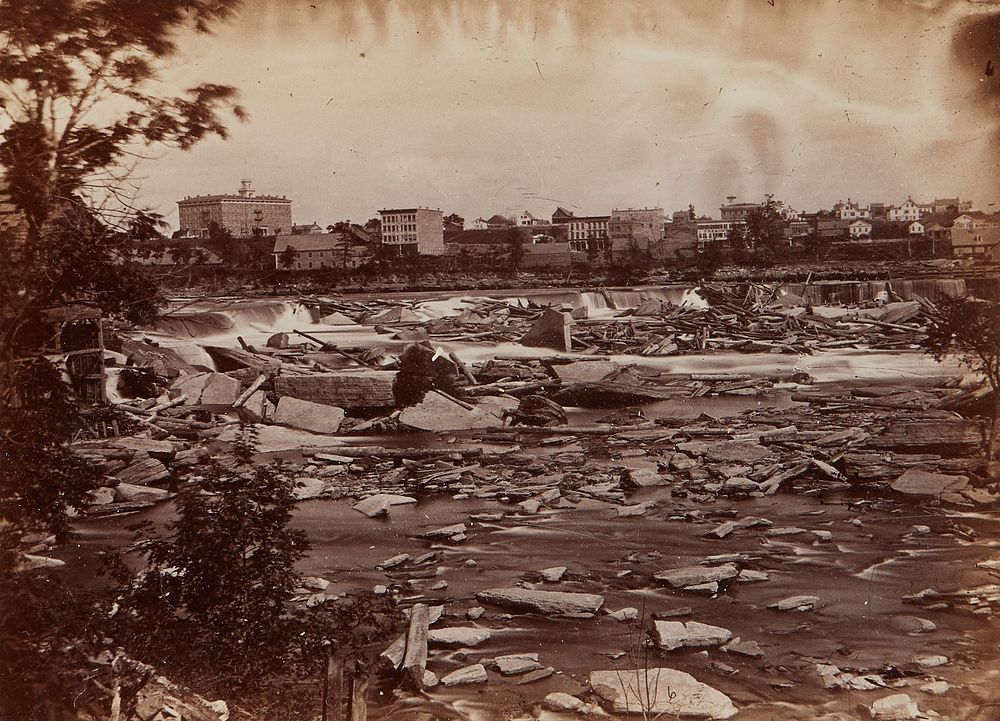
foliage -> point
(516, 241)
(40, 478)
(710, 259)
(212, 600)
(212, 607)
(759, 237)
(46, 636)
(970, 330)
(286, 258)
(76, 82)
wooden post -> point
(462, 368)
(415, 658)
(333, 691)
(357, 709)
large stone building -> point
(243, 214)
(409, 231)
(641, 226)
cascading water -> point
(865, 291)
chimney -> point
(731, 199)
(246, 188)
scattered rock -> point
(561, 702)
(458, 637)
(379, 504)
(554, 574)
(517, 664)
(545, 602)
(917, 482)
(797, 603)
(130, 493)
(475, 673)
(674, 634)
(695, 575)
(897, 707)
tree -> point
(212, 599)
(78, 101)
(77, 104)
(970, 329)
(516, 241)
(456, 219)
(287, 257)
(760, 235)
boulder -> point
(438, 412)
(545, 602)
(206, 389)
(674, 634)
(660, 692)
(897, 707)
(308, 416)
(348, 389)
(101, 496)
(554, 574)
(278, 340)
(696, 575)
(336, 319)
(539, 411)
(736, 451)
(516, 664)
(798, 603)
(585, 371)
(458, 637)
(306, 488)
(558, 701)
(143, 472)
(131, 493)
(379, 504)
(470, 674)
(924, 483)
(550, 330)
(645, 478)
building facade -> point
(859, 229)
(712, 231)
(584, 232)
(905, 213)
(642, 226)
(737, 211)
(407, 231)
(243, 214)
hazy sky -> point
(481, 107)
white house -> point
(859, 229)
(851, 211)
(526, 218)
(478, 224)
(916, 228)
(905, 213)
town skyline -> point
(503, 108)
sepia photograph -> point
(499, 360)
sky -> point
(497, 106)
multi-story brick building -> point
(409, 231)
(584, 232)
(243, 214)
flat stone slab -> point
(470, 674)
(308, 416)
(208, 389)
(517, 664)
(380, 503)
(675, 634)
(585, 371)
(696, 575)
(662, 692)
(736, 451)
(457, 637)
(546, 602)
(440, 413)
(797, 603)
(924, 483)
